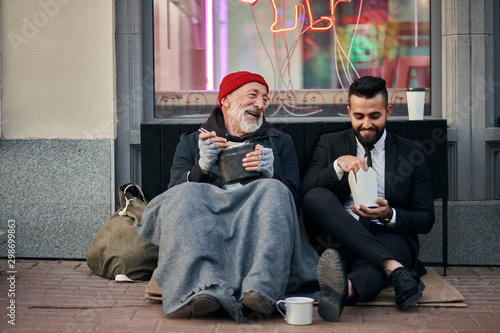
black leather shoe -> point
(333, 284)
(407, 287)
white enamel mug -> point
(299, 310)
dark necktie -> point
(368, 155)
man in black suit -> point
(378, 245)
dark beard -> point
(369, 142)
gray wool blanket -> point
(226, 243)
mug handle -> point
(277, 308)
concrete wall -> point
(58, 123)
(474, 143)
(58, 69)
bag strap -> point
(128, 201)
(124, 211)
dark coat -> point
(187, 154)
(407, 179)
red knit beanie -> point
(233, 81)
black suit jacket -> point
(407, 179)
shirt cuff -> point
(338, 170)
(392, 223)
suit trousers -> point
(363, 246)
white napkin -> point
(363, 186)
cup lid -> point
(415, 89)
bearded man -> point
(378, 245)
(234, 245)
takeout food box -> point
(363, 186)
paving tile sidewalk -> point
(64, 296)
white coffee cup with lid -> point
(415, 99)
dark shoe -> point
(257, 302)
(203, 304)
(407, 287)
(333, 284)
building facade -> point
(76, 85)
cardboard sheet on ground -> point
(438, 293)
(153, 291)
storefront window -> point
(308, 51)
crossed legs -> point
(370, 255)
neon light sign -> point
(330, 20)
(285, 99)
(250, 2)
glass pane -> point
(309, 52)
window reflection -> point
(308, 62)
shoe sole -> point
(414, 298)
(258, 303)
(332, 281)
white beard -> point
(246, 126)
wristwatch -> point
(388, 218)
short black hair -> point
(369, 87)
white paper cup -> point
(415, 99)
(299, 310)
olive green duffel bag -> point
(117, 248)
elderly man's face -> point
(247, 106)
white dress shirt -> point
(378, 164)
